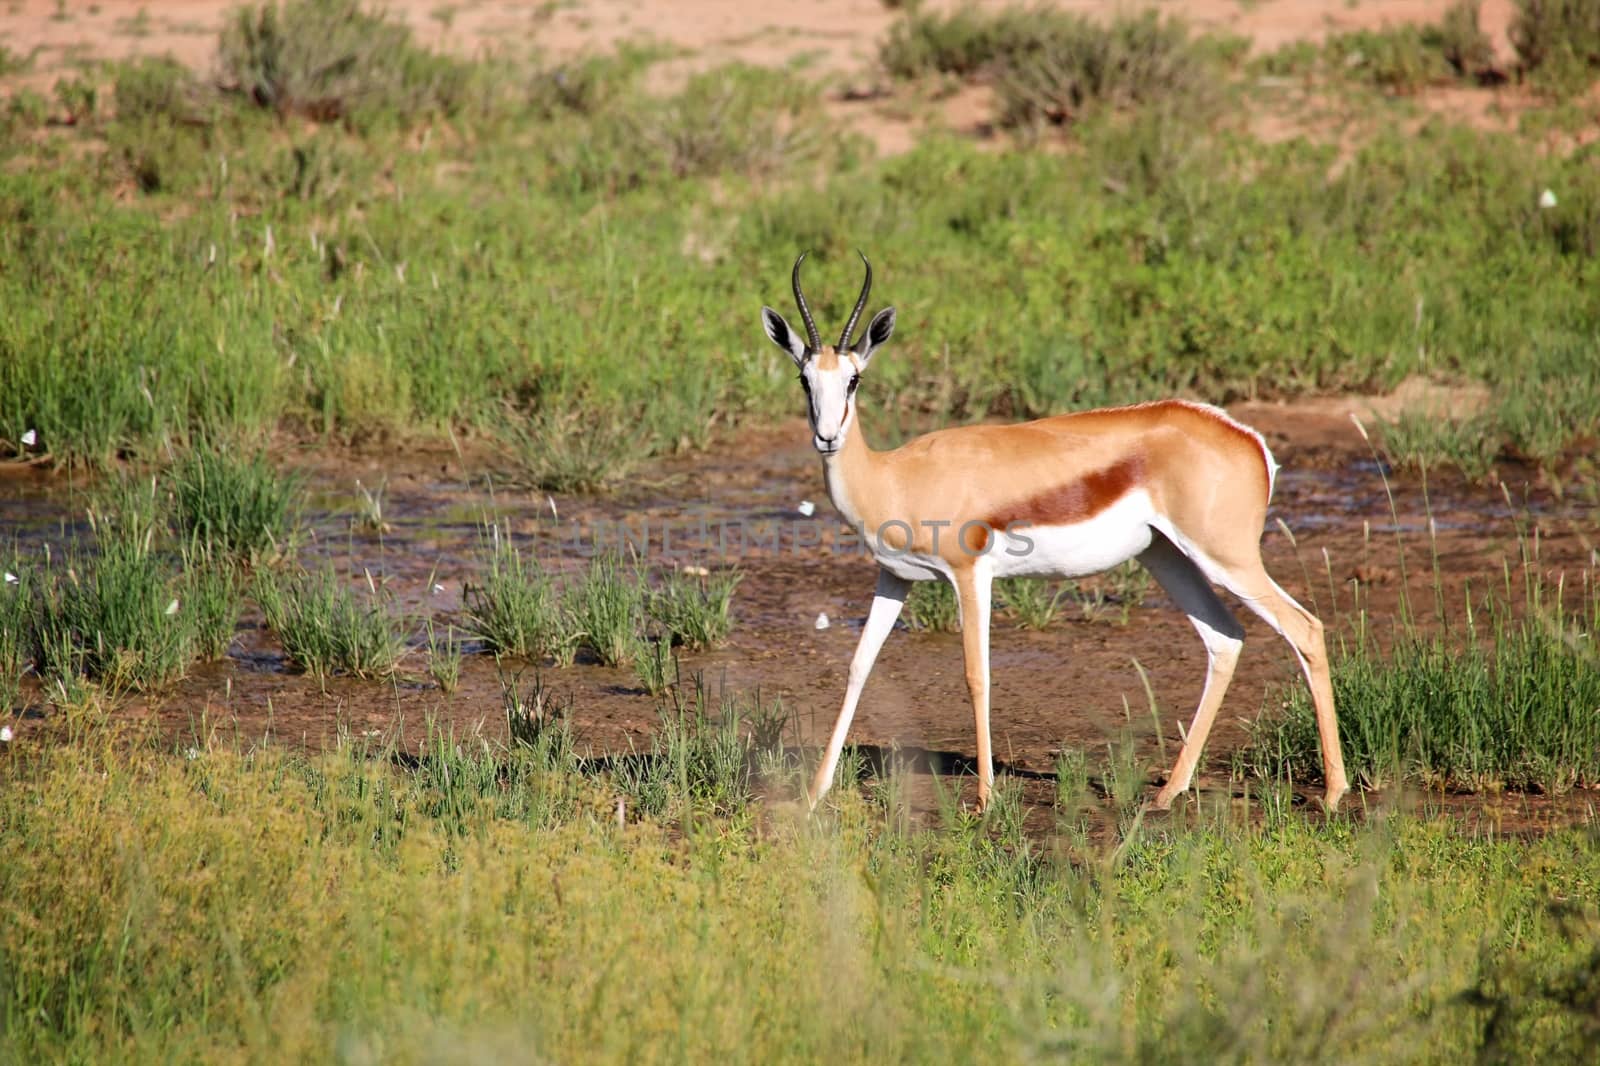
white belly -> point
(1113, 536)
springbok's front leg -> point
(886, 603)
(974, 588)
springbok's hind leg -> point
(886, 604)
(1223, 637)
(1303, 630)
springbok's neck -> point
(848, 473)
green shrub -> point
(1558, 42)
(155, 88)
(1050, 66)
(1075, 64)
(331, 59)
(1398, 59)
(1460, 39)
(79, 99)
(964, 42)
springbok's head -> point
(830, 373)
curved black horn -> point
(805, 312)
(861, 302)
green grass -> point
(538, 724)
(213, 598)
(544, 274)
(444, 659)
(707, 755)
(113, 618)
(654, 664)
(1492, 701)
(931, 606)
(268, 905)
(612, 611)
(518, 609)
(16, 630)
(326, 629)
(129, 608)
(608, 608)
(695, 612)
(1497, 691)
(1033, 603)
(233, 510)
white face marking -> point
(831, 398)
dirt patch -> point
(1335, 430)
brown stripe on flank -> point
(1075, 501)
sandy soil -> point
(836, 39)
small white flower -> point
(437, 588)
(11, 579)
(807, 508)
(191, 754)
(29, 438)
(6, 734)
(696, 571)
(172, 608)
(822, 621)
(371, 733)
(1547, 199)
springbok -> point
(1180, 486)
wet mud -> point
(1080, 683)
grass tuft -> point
(232, 510)
(327, 629)
(113, 618)
(518, 609)
(607, 606)
(694, 611)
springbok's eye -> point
(855, 379)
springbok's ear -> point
(880, 329)
(782, 335)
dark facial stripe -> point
(1076, 501)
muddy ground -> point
(1075, 684)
